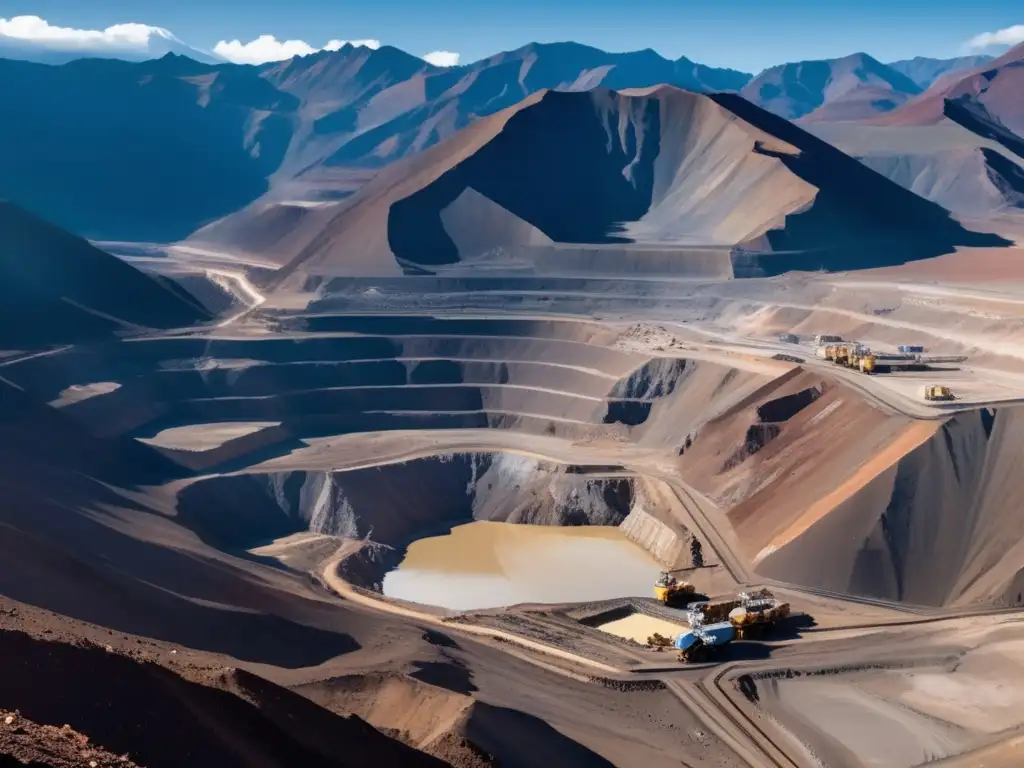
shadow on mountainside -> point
(148, 151)
(520, 740)
(556, 165)
(230, 718)
(82, 534)
(859, 219)
(58, 288)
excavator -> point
(671, 591)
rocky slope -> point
(143, 705)
(312, 127)
(57, 288)
(984, 98)
(138, 151)
(619, 170)
(829, 492)
(372, 107)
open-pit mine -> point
(637, 428)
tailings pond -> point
(491, 565)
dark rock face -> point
(116, 150)
(57, 288)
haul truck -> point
(702, 642)
(671, 591)
(759, 612)
(936, 392)
(861, 358)
(715, 624)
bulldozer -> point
(938, 392)
(671, 591)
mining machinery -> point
(701, 642)
(671, 591)
(715, 624)
(758, 612)
(863, 359)
(935, 392)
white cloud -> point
(1009, 36)
(268, 48)
(336, 45)
(37, 31)
(442, 58)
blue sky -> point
(740, 33)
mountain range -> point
(622, 178)
(849, 88)
(987, 97)
(158, 43)
(316, 128)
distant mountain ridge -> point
(925, 71)
(851, 87)
(203, 141)
(159, 44)
(986, 99)
(385, 104)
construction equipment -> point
(867, 364)
(699, 614)
(862, 359)
(702, 641)
(760, 611)
(671, 591)
(937, 392)
(715, 624)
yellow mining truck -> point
(758, 612)
(854, 356)
(671, 591)
(936, 392)
(711, 612)
(861, 359)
